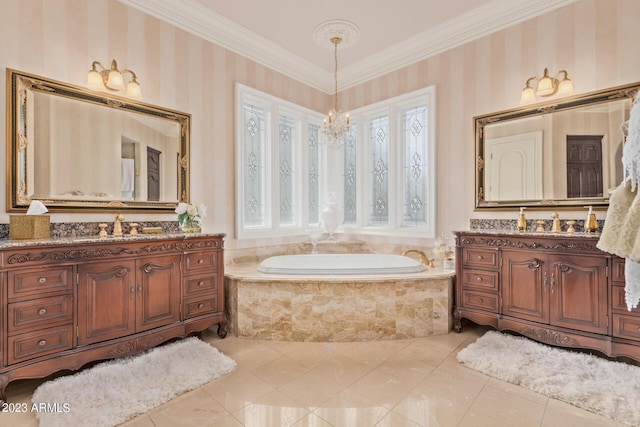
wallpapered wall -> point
(592, 39)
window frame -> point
(274, 107)
(361, 118)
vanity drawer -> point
(200, 261)
(39, 282)
(40, 313)
(617, 273)
(200, 306)
(480, 300)
(625, 326)
(195, 285)
(29, 346)
(618, 301)
(483, 258)
(481, 280)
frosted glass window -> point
(287, 141)
(313, 132)
(379, 147)
(414, 136)
(280, 166)
(350, 169)
(254, 166)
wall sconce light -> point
(101, 78)
(547, 86)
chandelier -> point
(335, 130)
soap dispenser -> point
(522, 222)
(591, 224)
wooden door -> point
(584, 166)
(525, 286)
(106, 301)
(578, 287)
(158, 292)
(153, 174)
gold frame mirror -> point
(559, 154)
(77, 150)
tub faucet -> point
(424, 259)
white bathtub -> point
(340, 264)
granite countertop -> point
(564, 234)
(8, 243)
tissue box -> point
(29, 227)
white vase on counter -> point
(331, 215)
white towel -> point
(127, 179)
(621, 231)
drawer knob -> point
(42, 311)
(200, 261)
(480, 300)
(201, 283)
(200, 305)
(480, 257)
(42, 343)
(42, 280)
(479, 279)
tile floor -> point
(414, 382)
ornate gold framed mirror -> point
(79, 150)
(559, 154)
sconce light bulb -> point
(545, 87)
(115, 82)
(94, 80)
(566, 87)
(133, 90)
(527, 95)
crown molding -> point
(203, 22)
(495, 16)
(196, 19)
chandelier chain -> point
(335, 41)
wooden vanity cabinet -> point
(123, 297)
(64, 305)
(558, 289)
(562, 290)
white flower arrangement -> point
(193, 213)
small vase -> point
(331, 216)
(190, 225)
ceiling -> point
(393, 34)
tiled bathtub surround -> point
(337, 308)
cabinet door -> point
(3, 327)
(578, 287)
(106, 301)
(525, 281)
(158, 292)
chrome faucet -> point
(424, 259)
(117, 225)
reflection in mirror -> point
(563, 154)
(72, 148)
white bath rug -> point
(607, 388)
(115, 391)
